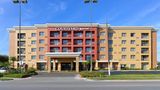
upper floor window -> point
(110, 35)
(102, 56)
(65, 50)
(88, 34)
(133, 41)
(101, 33)
(132, 34)
(133, 50)
(41, 41)
(88, 42)
(123, 42)
(41, 33)
(110, 49)
(65, 34)
(110, 42)
(33, 35)
(102, 48)
(124, 57)
(123, 49)
(41, 48)
(33, 57)
(88, 49)
(123, 34)
(33, 42)
(41, 57)
(144, 35)
(65, 42)
(21, 36)
(88, 57)
(33, 49)
(102, 41)
(132, 56)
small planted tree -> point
(86, 65)
(13, 59)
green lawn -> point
(5, 78)
(129, 77)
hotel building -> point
(67, 46)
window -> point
(123, 41)
(54, 42)
(132, 49)
(144, 43)
(65, 34)
(54, 34)
(102, 48)
(54, 49)
(132, 56)
(78, 42)
(41, 49)
(78, 34)
(33, 57)
(88, 49)
(123, 57)
(102, 56)
(33, 35)
(110, 57)
(88, 34)
(132, 34)
(88, 42)
(110, 35)
(65, 50)
(110, 49)
(144, 35)
(123, 49)
(65, 42)
(132, 66)
(41, 34)
(132, 41)
(33, 42)
(33, 49)
(78, 49)
(102, 41)
(41, 41)
(123, 34)
(88, 57)
(110, 42)
(101, 33)
(41, 57)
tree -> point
(13, 59)
(86, 65)
(4, 58)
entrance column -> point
(77, 64)
(71, 66)
(54, 65)
(118, 66)
(96, 65)
(59, 66)
(49, 65)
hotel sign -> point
(70, 28)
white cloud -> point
(1, 11)
(144, 13)
(59, 6)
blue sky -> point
(114, 12)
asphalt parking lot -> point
(67, 81)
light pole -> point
(19, 35)
(91, 2)
(109, 68)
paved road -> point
(42, 82)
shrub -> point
(92, 74)
(31, 71)
(17, 75)
(1, 75)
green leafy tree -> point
(13, 59)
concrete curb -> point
(22, 78)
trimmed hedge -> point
(17, 75)
(92, 74)
(1, 75)
(31, 71)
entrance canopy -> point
(63, 54)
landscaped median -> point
(103, 76)
(11, 75)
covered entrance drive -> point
(58, 61)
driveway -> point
(67, 81)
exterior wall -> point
(100, 32)
(154, 50)
(117, 46)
